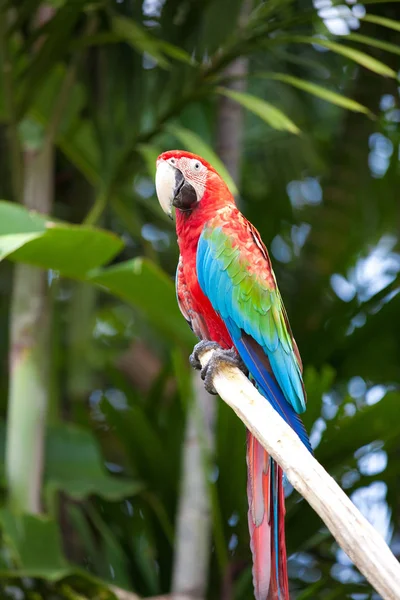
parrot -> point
(227, 291)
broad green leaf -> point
(319, 91)
(194, 143)
(34, 549)
(357, 56)
(370, 41)
(138, 38)
(71, 249)
(74, 465)
(15, 219)
(35, 544)
(266, 111)
(146, 287)
(384, 21)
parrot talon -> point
(199, 348)
(218, 359)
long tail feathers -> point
(266, 523)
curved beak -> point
(165, 185)
(173, 189)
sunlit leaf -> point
(370, 41)
(357, 56)
(266, 111)
(138, 38)
(319, 91)
(71, 249)
(194, 143)
(384, 21)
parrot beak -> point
(172, 189)
(165, 185)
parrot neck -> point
(189, 225)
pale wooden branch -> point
(124, 595)
(356, 536)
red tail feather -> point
(267, 538)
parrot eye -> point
(172, 161)
(196, 166)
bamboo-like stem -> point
(9, 101)
(97, 209)
(193, 531)
(30, 356)
(29, 353)
(355, 535)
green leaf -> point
(176, 52)
(357, 56)
(149, 154)
(74, 465)
(35, 544)
(145, 286)
(194, 143)
(34, 549)
(319, 91)
(80, 146)
(112, 550)
(219, 21)
(384, 21)
(266, 111)
(370, 41)
(34, 239)
(138, 38)
(52, 49)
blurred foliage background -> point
(300, 103)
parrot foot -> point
(199, 348)
(220, 358)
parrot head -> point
(184, 180)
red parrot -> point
(227, 291)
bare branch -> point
(356, 536)
(124, 595)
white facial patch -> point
(195, 173)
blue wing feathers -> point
(262, 343)
(266, 383)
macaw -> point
(227, 291)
